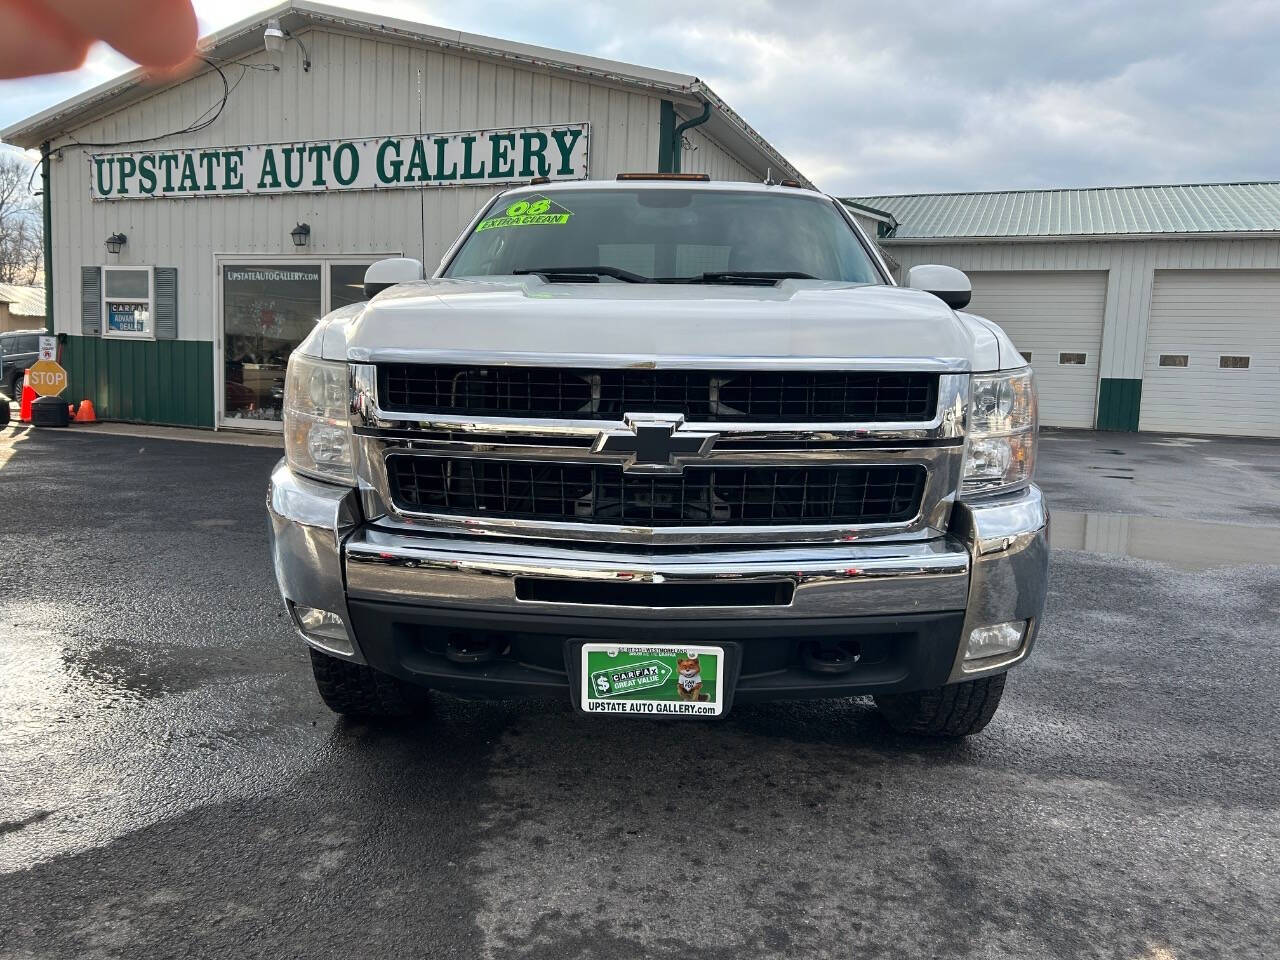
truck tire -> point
(956, 710)
(49, 412)
(355, 690)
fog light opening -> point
(324, 628)
(996, 640)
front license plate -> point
(661, 680)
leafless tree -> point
(21, 236)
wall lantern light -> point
(301, 235)
(115, 242)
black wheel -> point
(15, 388)
(956, 710)
(355, 690)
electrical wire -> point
(202, 122)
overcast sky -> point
(914, 95)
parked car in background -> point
(19, 349)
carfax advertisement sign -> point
(475, 158)
(659, 681)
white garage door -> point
(1056, 317)
(1213, 353)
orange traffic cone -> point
(28, 398)
(85, 413)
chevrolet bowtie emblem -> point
(655, 442)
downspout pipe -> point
(677, 135)
(46, 205)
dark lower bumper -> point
(532, 654)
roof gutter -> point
(677, 135)
(1084, 238)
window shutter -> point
(91, 301)
(166, 325)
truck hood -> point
(647, 324)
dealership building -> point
(196, 229)
(1140, 308)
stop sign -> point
(47, 378)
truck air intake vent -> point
(709, 396)
(701, 496)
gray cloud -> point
(913, 96)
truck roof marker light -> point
(539, 181)
(686, 177)
(791, 183)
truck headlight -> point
(317, 428)
(1000, 452)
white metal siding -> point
(1047, 314)
(707, 156)
(357, 87)
(1205, 314)
(1130, 266)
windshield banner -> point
(475, 158)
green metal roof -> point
(1092, 211)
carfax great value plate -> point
(661, 680)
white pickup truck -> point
(661, 446)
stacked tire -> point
(49, 412)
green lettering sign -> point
(346, 154)
(566, 143)
(534, 147)
(468, 173)
(269, 178)
(417, 169)
(389, 169)
(500, 162)
(411, 161)
(188, 180)
(232, 175)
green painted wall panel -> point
(144, 381)
(1119, 401)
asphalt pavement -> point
(171, 786)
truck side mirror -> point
(389, 272)
(948, 284)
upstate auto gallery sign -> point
(471, 158)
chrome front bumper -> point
(992, 565)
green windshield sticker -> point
(537, 212)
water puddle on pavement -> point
(1184, 544)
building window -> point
(1026, 355)
(128, 303)
(1233, 363)
(1174, 360)
(346, 283)
(1073, 359)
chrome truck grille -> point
(672, 453)
(712, 496)
(766, 396)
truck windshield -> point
(664, 235)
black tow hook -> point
(824, 656)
